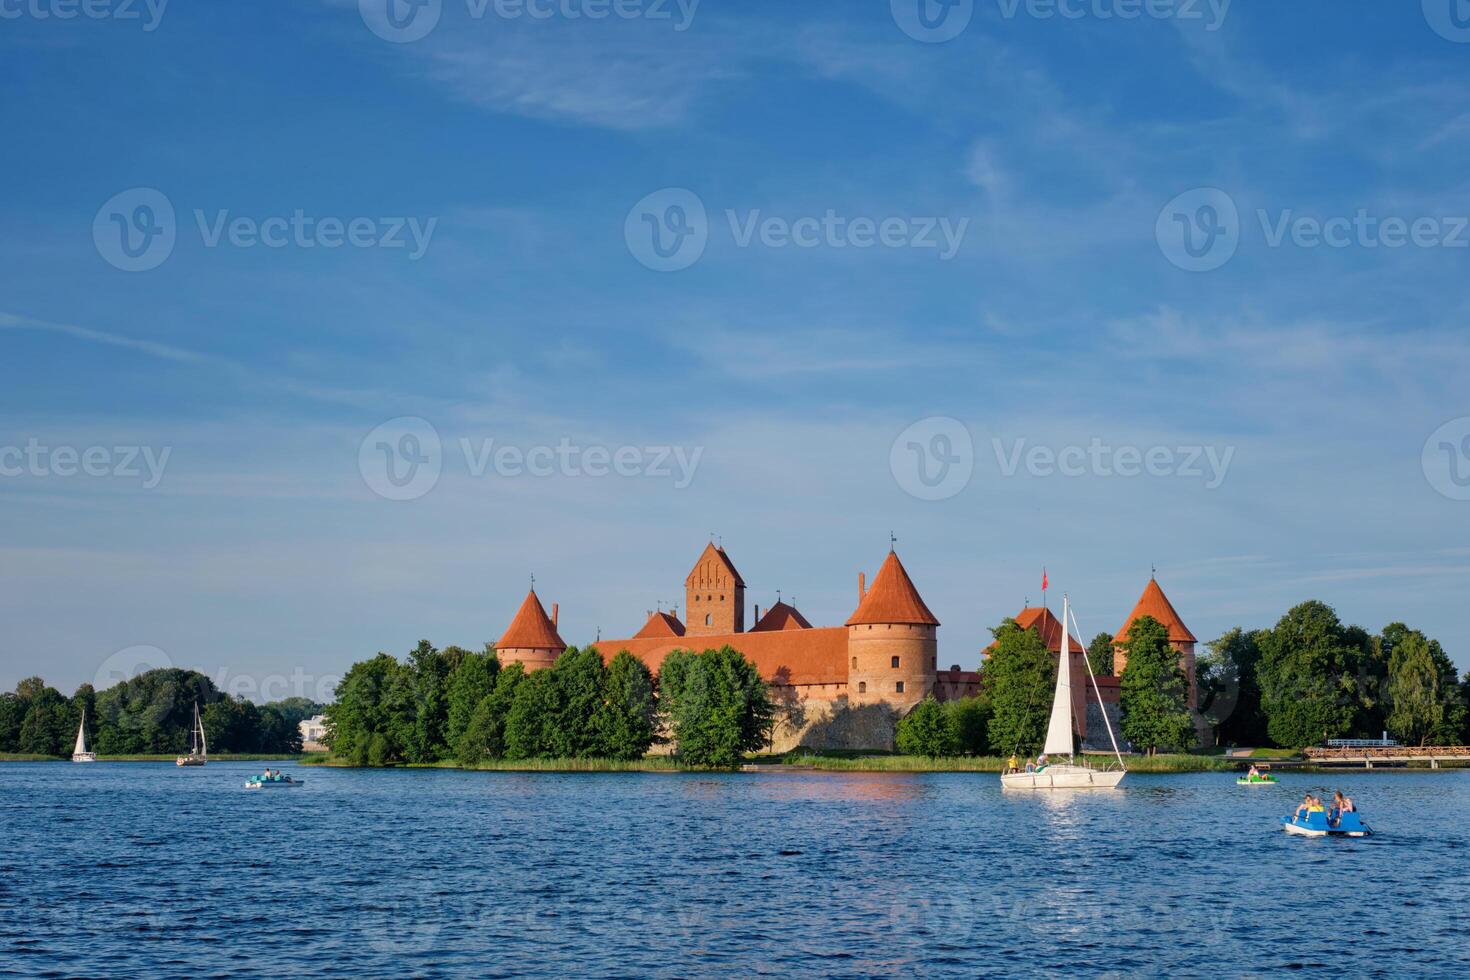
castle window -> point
(899, 687)
(862, 687)
(707, 619)
(854, 663)
(894, 663)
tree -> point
(43, 729)
(628, 716)
(1153, 691)
(1308, 676)
(1425, 705)
(970, 718)
(295, 710)
(153, 712)
(716, 705)
(1100, 654)
(484, 736)
(1229, 690)
(928, 730)
(360, 712)
(531, 730)
(1019, 675)
(581, 680)
(472, 681)
(12, 713)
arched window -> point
(707, 619)
(854, 663)
(862, 687)
(899, 687)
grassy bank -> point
(855, 762)
(836, 761)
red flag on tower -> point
(1043, 578)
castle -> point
(841, 686)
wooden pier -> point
(1394, 755)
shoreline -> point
(1170, 764)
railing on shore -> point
(1388, 755)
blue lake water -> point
(146, 870)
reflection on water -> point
(441, 872)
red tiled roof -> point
(814, 656)
(1154, 603)
(531, 628)
(892, 598)
(661, 624)
(1045, 622)
(723, 562)
(781, 617)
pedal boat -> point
(280, 782)
(1316, 824)
(1257, 781)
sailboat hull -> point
(84, 757)
(1063, 777)
(185, 760)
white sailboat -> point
(198, 750)
(79, 752)
(1059, 735)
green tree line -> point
(463, 706)
(151, 713)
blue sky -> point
(530, 151)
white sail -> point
(1059, 731)
(203, 749)
(81, 747)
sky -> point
(327, 325)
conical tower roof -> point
(1154, 603)
(531, 629)
(892, 598)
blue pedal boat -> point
(1316, 824)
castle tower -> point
(714, 595)
(891, 643)
(1154, 603)
(531, 639)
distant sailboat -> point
(1059, 735)
(79, 752)
(198, 750)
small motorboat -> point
(1315, 823)
(273, 782)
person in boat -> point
(1041, 762)
(1254, 773)
(1013, 764)
(1030, 766)
(1310, 804)
(1340, 805)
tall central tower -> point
(714, 595)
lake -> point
(143, 869)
